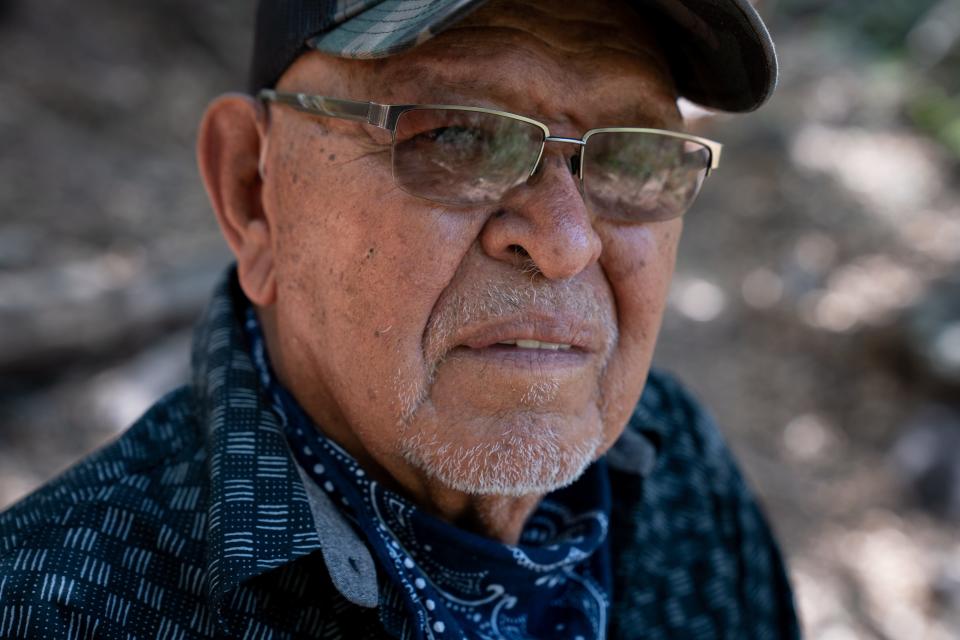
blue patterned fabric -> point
(196, 523)
(450, 582)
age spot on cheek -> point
(625, 264)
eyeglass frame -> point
(386, 116)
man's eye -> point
(454, 137)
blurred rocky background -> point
(816, 306)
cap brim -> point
(719, 51)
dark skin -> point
(358, 284)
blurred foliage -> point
(921, 38)
(937, 113)
(882, 25)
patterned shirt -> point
(197, 523)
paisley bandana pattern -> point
(439, 581)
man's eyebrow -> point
(437, 83)
(408, 73)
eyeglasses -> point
(473, 156)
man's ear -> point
(230, 142)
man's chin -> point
(529, 458)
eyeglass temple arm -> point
(369, 112)
(715, 150)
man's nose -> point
(546, 221)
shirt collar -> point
(259, 514)
(637, 449)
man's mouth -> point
(534, 357)
(541, 333)
(530, 345)
(535, 344)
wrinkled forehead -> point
(524, 55)
(575, 29)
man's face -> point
(392, 311)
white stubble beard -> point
(528, 456)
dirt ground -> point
(815, 309)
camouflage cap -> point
(719, 51)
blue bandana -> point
(439, 581)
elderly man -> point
(416, 409)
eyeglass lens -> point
(642, 176)
(474, 157)
(463, 157)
